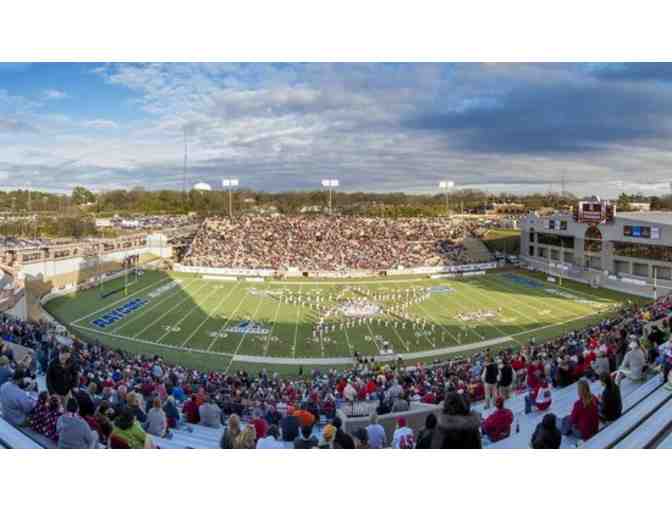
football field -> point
(226, 325)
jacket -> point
(61, 380)
(546, 436)
(634, 361)
(457, 432)
(16, 403)
(74, 432)
(611, 405)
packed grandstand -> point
(330, 243)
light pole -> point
(446, 186)
(230, 184)
(330, 184)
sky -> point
(376, 127)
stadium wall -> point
(295, 272)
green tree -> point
(81, 196)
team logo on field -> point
(441, 289)
(248, 327)
(119, 313)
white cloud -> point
(101, 124)
(53, 94)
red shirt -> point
(542, 402)
(498, 425)
(586, 419)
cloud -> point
(101, 124)
(54, 95)
(554, 118)
(16, 126)
(387, 127)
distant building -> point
(511, 208)
(640, 206)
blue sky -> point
(500, 127)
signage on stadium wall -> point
(224, 271)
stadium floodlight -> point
(330, 184)
(229, 184)
(446, 186)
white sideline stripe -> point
(119, 301)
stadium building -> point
(630, 252)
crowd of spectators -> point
(329, 243)
(98, 395)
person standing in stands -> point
(546, 435)
(497, 426)
(73, 431)
(611, 405)
(376, 432)
(489, 377)
(16, 402)
(457, 426)
(506, 379)
(62, 376)
(584, 421)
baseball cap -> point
(401, 421)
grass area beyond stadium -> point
(227, 325)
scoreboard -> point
(594, 212)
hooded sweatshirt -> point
(458, 432)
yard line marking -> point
(193, 333)
(405, 344)
(552, 305)
(193, 309)
(561, 303)
(296, 326)
(188, 297)
(445, 328)
(275, 320)
(487, 297)
(120, 300)
(169, 295)
(228, 320)
(492, 323)
(254, 316)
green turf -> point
(191, 322)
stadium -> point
(326, 320)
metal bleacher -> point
(637, 407)
(633, 395)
